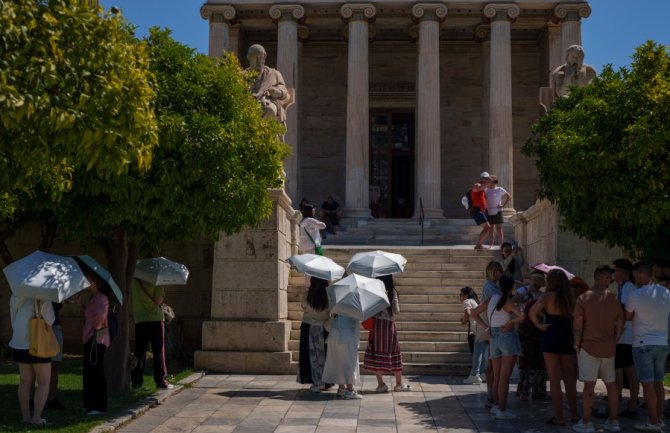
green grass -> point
(73, 419)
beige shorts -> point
(592, 368)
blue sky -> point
(609, 35)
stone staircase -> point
(432, 339)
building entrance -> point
(391, 163)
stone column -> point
(555, 55)
(357, 203)
(287, 17)
(428, 140)
(483, 36)
(501, 139)
(570, 15)
(220, 17)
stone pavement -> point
(277, 404)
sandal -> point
(402, 388)
(382, 389)
(40, 423)
(552, 421)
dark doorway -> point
(392, 164)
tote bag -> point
(43, 342)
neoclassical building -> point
(400, 102)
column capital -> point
(501, 11)
(358, 12)
(287, 12)
(429, 11)
(303, 33)
(217, 13)
(571, 12)
(482, 33)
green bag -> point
(318, 249)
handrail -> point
(421, 218)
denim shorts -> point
(650, 362)
(504, 343)
(478, 216)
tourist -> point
(507, 261)
(383, 352)
(53, 402)
(532, 371)
(477, 333)
(478, 209)
(310, 231)
(302, 204)
(312, 356)
(623, 359)
(342, 356)
(331, 214)
(496, 200)
(598, 322)
(648, 307)
(553, 314)
(503, 315)
(494, 271)
(31, 368)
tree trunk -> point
(121, 258)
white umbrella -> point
(317, 266)
(160, 271)
(542, 267)
(357, 297)
(376, 263)
(45, 276)
(104, 274)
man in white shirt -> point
(496, 200)
(648, 307)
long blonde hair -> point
(491, 270)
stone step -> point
(441, 317)
(407, 336)
(408, 346)
(419, 357)
(417, 368)
(407, 307)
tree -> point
(75, 95)
(216, 160)
(603, 155)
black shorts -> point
(478, 216)
(623, 357)
(495, 219)
(22, 356)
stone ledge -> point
(244, 362)
(245, 336)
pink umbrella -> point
(542, 267)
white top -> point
(498, 318)
(471, 304)
(494, 199)
(21, 311)
(651, 305)
(313, 226)
(622, 295)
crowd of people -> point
(559, 329)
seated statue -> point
(573, 73)
(269, 87)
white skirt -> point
(341, 360)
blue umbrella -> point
(104, 274)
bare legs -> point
(27, 375)
(486, 230)
(502, 366)
(562, 367)
(632, 381)
(653, 397)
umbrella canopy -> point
(376, 263)
(45, 276)
(160, 271)
(317, 266)
(104, 274)
(546, 268)
(357, 297)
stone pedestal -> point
(248, 331)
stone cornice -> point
(501, 11)
(287, 12)
(482, 33)
(210, 12)
(429, 11)
(358, 12)
(571, 11)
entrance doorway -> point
(391, 163)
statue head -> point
(574, 56)
(256, 56)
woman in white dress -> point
(342, 356)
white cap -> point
(484, 174)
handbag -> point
(318, 249)
(43, 342)
(168, 312)
(369, 324)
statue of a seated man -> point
(269, 87)
(573, 73)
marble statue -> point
(269, 87)
(573, 73)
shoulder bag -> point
(43, 342)
(318, 249)
(168, 312)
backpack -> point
(466, 200)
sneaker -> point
(648, 427)
(165, 386)
(494, 409)
(402, 388)
(55, 404)
(503, 414)
(94, 412)
(382, 389)
(351, 395)
(580, 427)
(315, 389)
(612, 425)
(483, 377)
(340, 392)
(472, 380)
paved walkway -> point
(276, 404)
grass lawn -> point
(73, 419)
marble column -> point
(357, 203)
(501, 137)
(287, 17)
(428, 140)
(220, 17)
(570, 15)
(555, 56)
(483, 36)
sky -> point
(609, 35)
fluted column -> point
(501, 139)
(220, 17)
(483, 36)
(428, 140)
(357, 203)
(287, 17)
(570, 15)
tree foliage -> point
(75, 94)
(603, 154)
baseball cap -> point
(484, 174)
